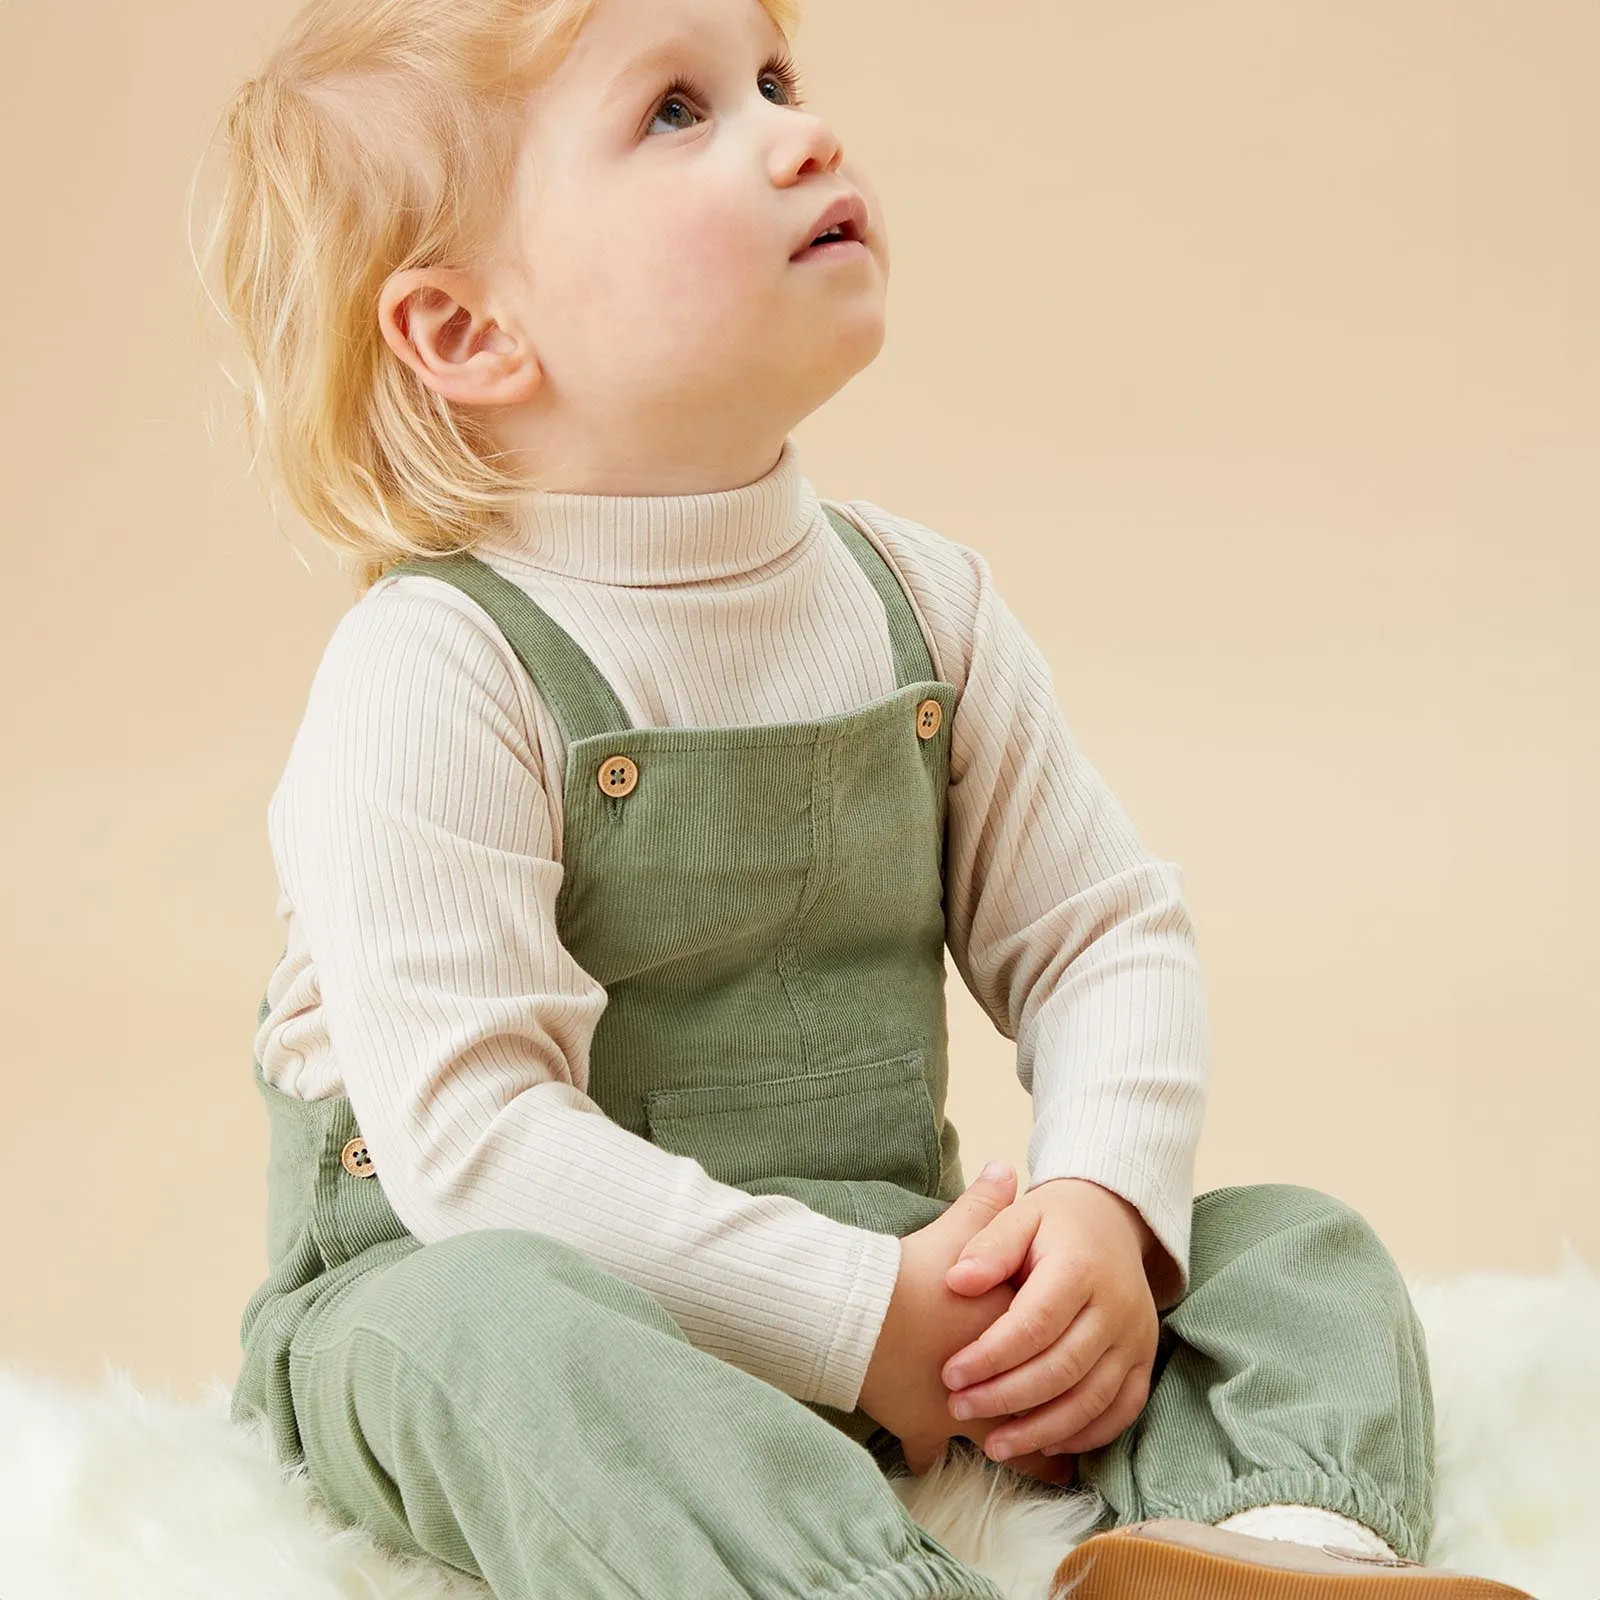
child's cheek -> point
(721, 250)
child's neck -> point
(666, 538)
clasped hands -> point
(1026, 1325)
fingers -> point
(993, 1253)
(1042, 1309)
(1066, 1420)
(1121, 1414)
(1055, 1370)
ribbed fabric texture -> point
(416, 831)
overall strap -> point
(912, 663)
(576, 691)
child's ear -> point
(436, 320)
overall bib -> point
(764, 905)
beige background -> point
(1255, 344)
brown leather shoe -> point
(1168, 1558)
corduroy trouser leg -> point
(505, 1405)
(500, 1402)
(1295, 1370)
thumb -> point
(984, 1198)
(991, 1252)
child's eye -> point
(785, 71)
(682, 90)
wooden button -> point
(355, 1160)
(617, 775)
(929, 715)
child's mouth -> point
(831, 248)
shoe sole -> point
(1118, 1565)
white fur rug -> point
(124, 1496)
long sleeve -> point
(412, 834)
(1071, 936)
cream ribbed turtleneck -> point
(661, 540)
(417, 835)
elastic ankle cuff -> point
(1354, 1499)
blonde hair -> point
(380, 135)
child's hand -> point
(1075, 1349)
(927, 1322)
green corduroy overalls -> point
(764, 905)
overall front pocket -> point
(849, 1124)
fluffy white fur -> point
(122, 1496)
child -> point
(635, 803)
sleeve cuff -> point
(861, 1316)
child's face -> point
(653, 270)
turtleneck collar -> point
(664, 539)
